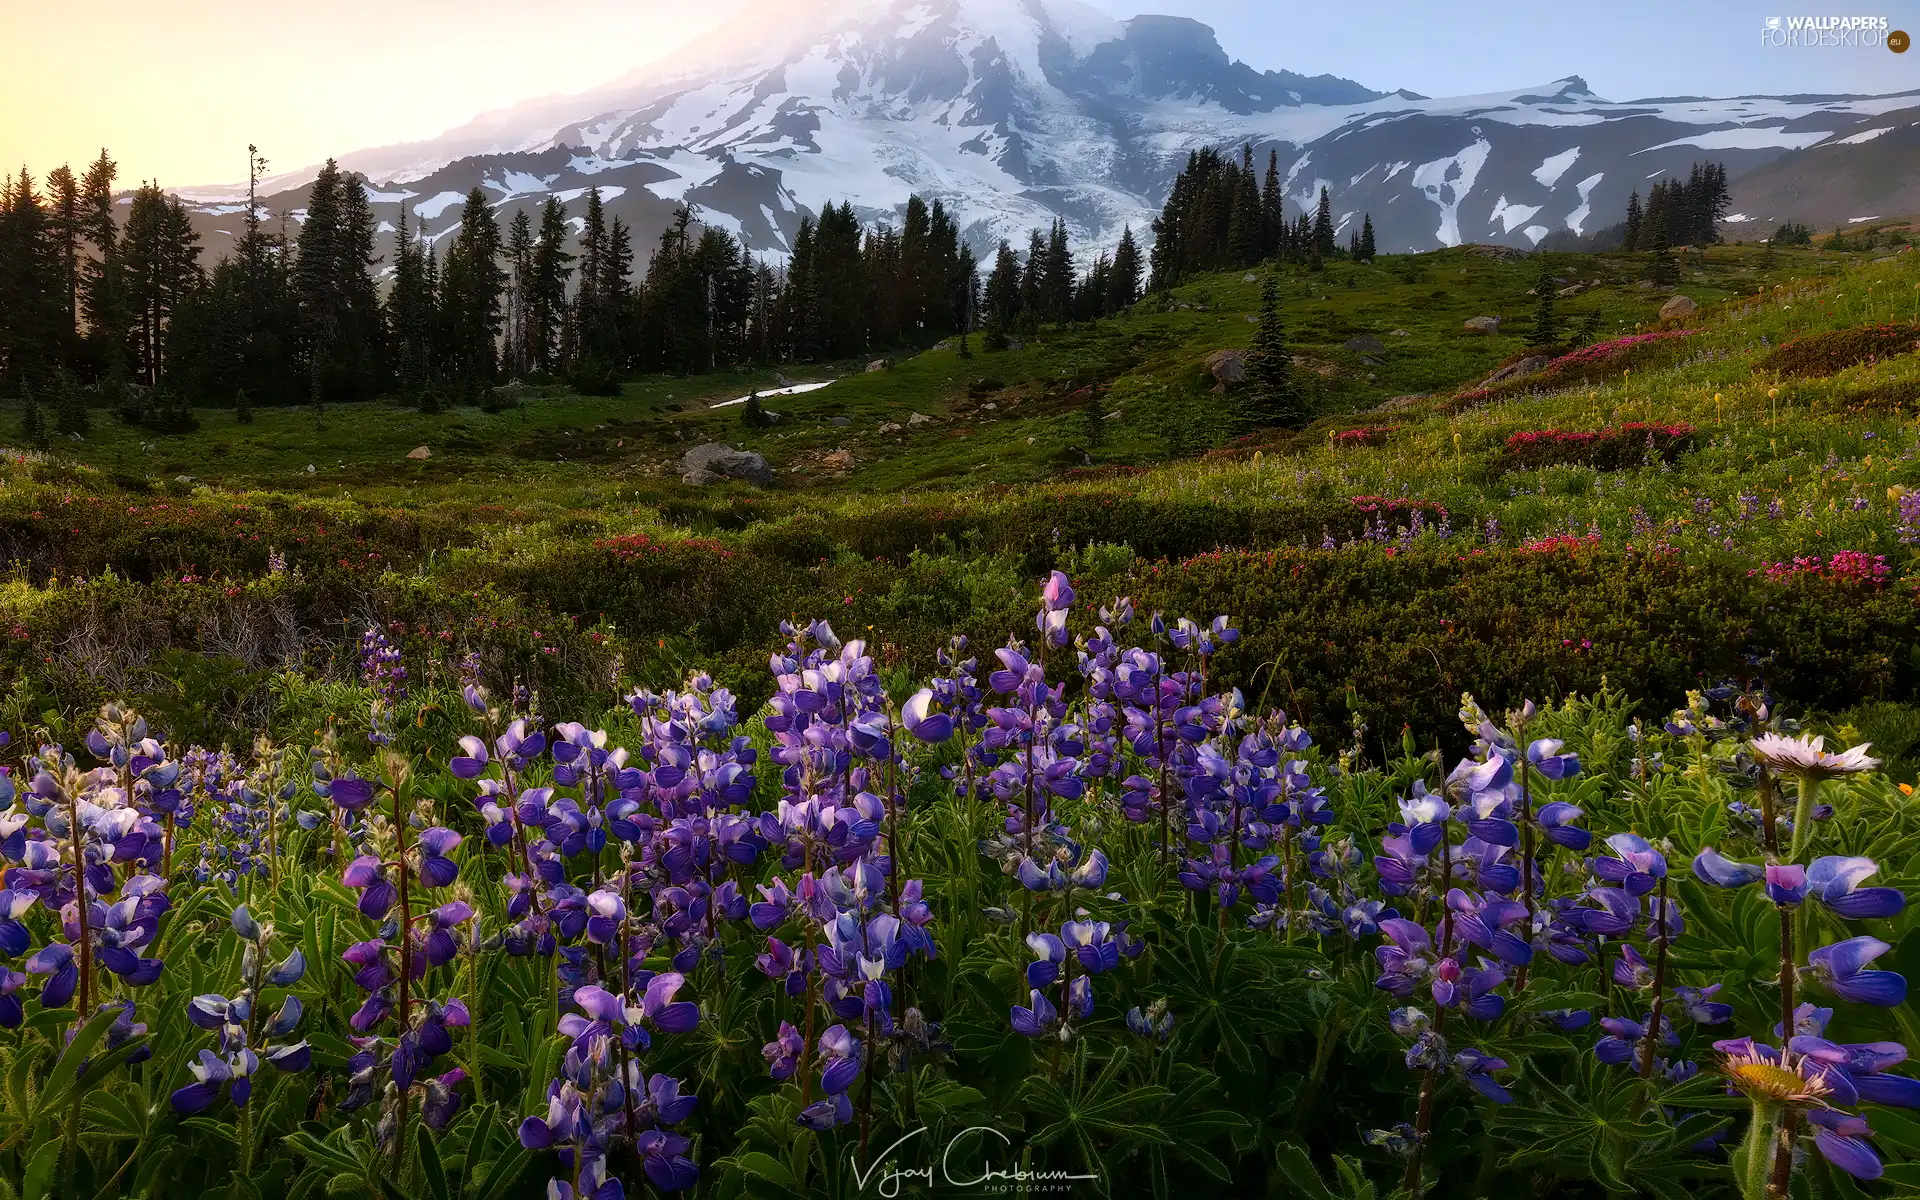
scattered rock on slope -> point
(713, 462)
(1228, 367)
(1678, 307)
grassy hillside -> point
(1447, 540)
(1146, 367)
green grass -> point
(1146, 367)
(503, 532)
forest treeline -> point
(335, 307)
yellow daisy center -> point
(1771, 1081)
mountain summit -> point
(1015, 112)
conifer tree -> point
(1123, 284)
(1273, 216)
(160, 269)
(102, 301)
(1001, 299)
(409, 313)
(471, 288)
(547, 289)
(1546, 323)
(358, 348)
(73, 416)
(31, 339)
(242, 408)
(1246, 219)
(68, 232)
(1323, 226)
(1661, 270)
(1033, 281)
(520, 251)
(1057, 276)
(1274, 398)
(1630, 237)
(1366, 238)
(33, 423)
(317, 294)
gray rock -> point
(1679, 306)
(1400, 333)
(889, 427)
(1482, 325)
(1366, 343)
(843, 422)
(1228, 367)
(702, 478)
(1533, 364)
(724, 462)
(918, 419)
(878, 364)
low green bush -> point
(1836, 350)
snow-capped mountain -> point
(1014, 112)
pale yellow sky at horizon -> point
(175, 89)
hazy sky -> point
(177, 88)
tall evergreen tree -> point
(1123, 283)
(520, 252)
(1246, 220)
(472, 286)
(409, 312)
(160, 267)
(839, 283)
(1630, 237)
(1274, 398)
(1366, 238)
(1033, 290)
(1056, 277)
(547, 289)
(68, 233)
(1001, 300)
(1546, 322)
(1273, 215)
(31, 317)
(359, 349)
(102, 298)
(1323, 226)
(317, 294)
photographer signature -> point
(892, 1178)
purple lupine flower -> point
(1841, 968)
(1635, 865)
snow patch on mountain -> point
(1577, 219)
(1549, 171)
(1862, 138)
(431, 208)
(1746, 138)
(1511, 215)
(1446, 182)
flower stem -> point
(1661, 923)
(1803, 816)
(1756, 1152)
(406, 962)
(1769, 835)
